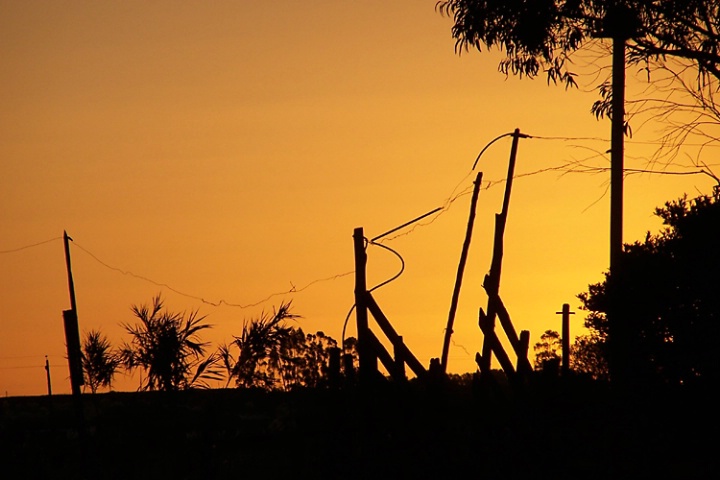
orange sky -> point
(229, 149)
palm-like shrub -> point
(167, 347)
(99, 361)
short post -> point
(399, 360)
(47, 374)
(334, 367)
(565, 338)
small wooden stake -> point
(47, 374)
(565, 337)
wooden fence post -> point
(492, 279)
(368, 361)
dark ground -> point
(551, 430)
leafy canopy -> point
(540, 35)
(666, 298)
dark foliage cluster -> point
(271, 355)
(166, 347)
(540, 35)
(664, 301)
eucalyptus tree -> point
(678, 41)
(547, 352)
(539, 36)
(256, 357)
(271, 354)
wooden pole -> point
(393, 336)
(72, 342)
(565, 338)
(365, 353)
(523, 364)
(72, 331)
(495, 346)
(617, 336)
(47, 374)
(460, 273)
(617, 155)
(399, 357)
(492, 279)
(71, 284)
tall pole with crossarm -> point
(619, 24)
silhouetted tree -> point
(272, 355)
(168, 348)
(307, 364)
(254, 358)
(677, 41)
(540, 35)
(99, 361)
(588, 357)
(667, 298)
(547, 352)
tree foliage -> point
(547, 352)
(541, 35)
(666, 298)
(272, 355)
(100, 363)
(588, 357)
(167, 347)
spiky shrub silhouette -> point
(99, 361)
(167, 347)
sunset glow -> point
(222, 153)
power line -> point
(30, 246)
(218, 303)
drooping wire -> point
(347, 318)
(397, 275)
(30, 246)
(509, 134)
(293, 290)
(381, 284)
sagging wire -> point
(373, 241)
(293, 290)
(397, 275)
(391, 279)
(30, 246)
(509, 134)
(347, 318)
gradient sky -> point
(228, 150)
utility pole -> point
(617, 155)
(619, 24)
(47, 374)
(565, 338)
(72, 332)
